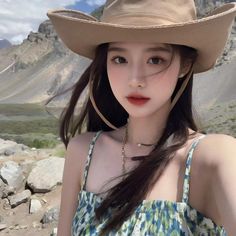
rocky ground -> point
(30, 187)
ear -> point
(185, 68)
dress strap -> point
(89, 157)
(188, 167)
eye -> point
(118, 60)
(156, 60)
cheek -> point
(171, 76)
(115, 80)
(165, 83)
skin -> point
(128, 70)
(213, 175)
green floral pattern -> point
(150, 218)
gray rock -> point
(19, 198)
(35, 37)
(51, 215)
(11, 173)
(2, 186)
(54, 232)
(6, 145)
(35, 206)
(9, 152)
(24, 147)
(18, 227)
(46, 174)
(3, 226)
(47, 29)
(5, 190)
(26, 166)
(6, 204)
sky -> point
(19, 17)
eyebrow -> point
(119, 49)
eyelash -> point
(160, 59)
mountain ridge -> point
(4, 43)
(41, 66)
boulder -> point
(46, 174)
(19, 198)
(5, 190)
(51, 215)
(8, 147)
(35, 206)
(11, 173)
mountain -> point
(41, 67)
(215, 99)
(4, 43)
(97, 12)
(38, 68)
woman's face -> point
(142, 76)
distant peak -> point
(4, 43)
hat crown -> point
(148, 12)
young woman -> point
(143, 167)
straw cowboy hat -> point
(158, 21)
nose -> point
(137, 77)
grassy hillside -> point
(29, 124)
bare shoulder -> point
(80, 142)
(77, 149)
(217, 149)
(220, 150)
(71, 184)
(76, 155)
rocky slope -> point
(215, 99)
(203, 8)
(38, 68)
(41, 66)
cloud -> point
(19, 17)
(95, 2)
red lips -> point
(137, 99)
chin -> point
(141, 113)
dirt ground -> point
(21, 223)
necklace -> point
(124, 141)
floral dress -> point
(151, 217)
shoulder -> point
(79, 145)
(80, 142)
(214, 153)
(218, 149)
(77, 150)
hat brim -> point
(82, 33)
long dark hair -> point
(124, 197)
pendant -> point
(145, 144)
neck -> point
(148, 129)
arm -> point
(74, 163)
(224, 181)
